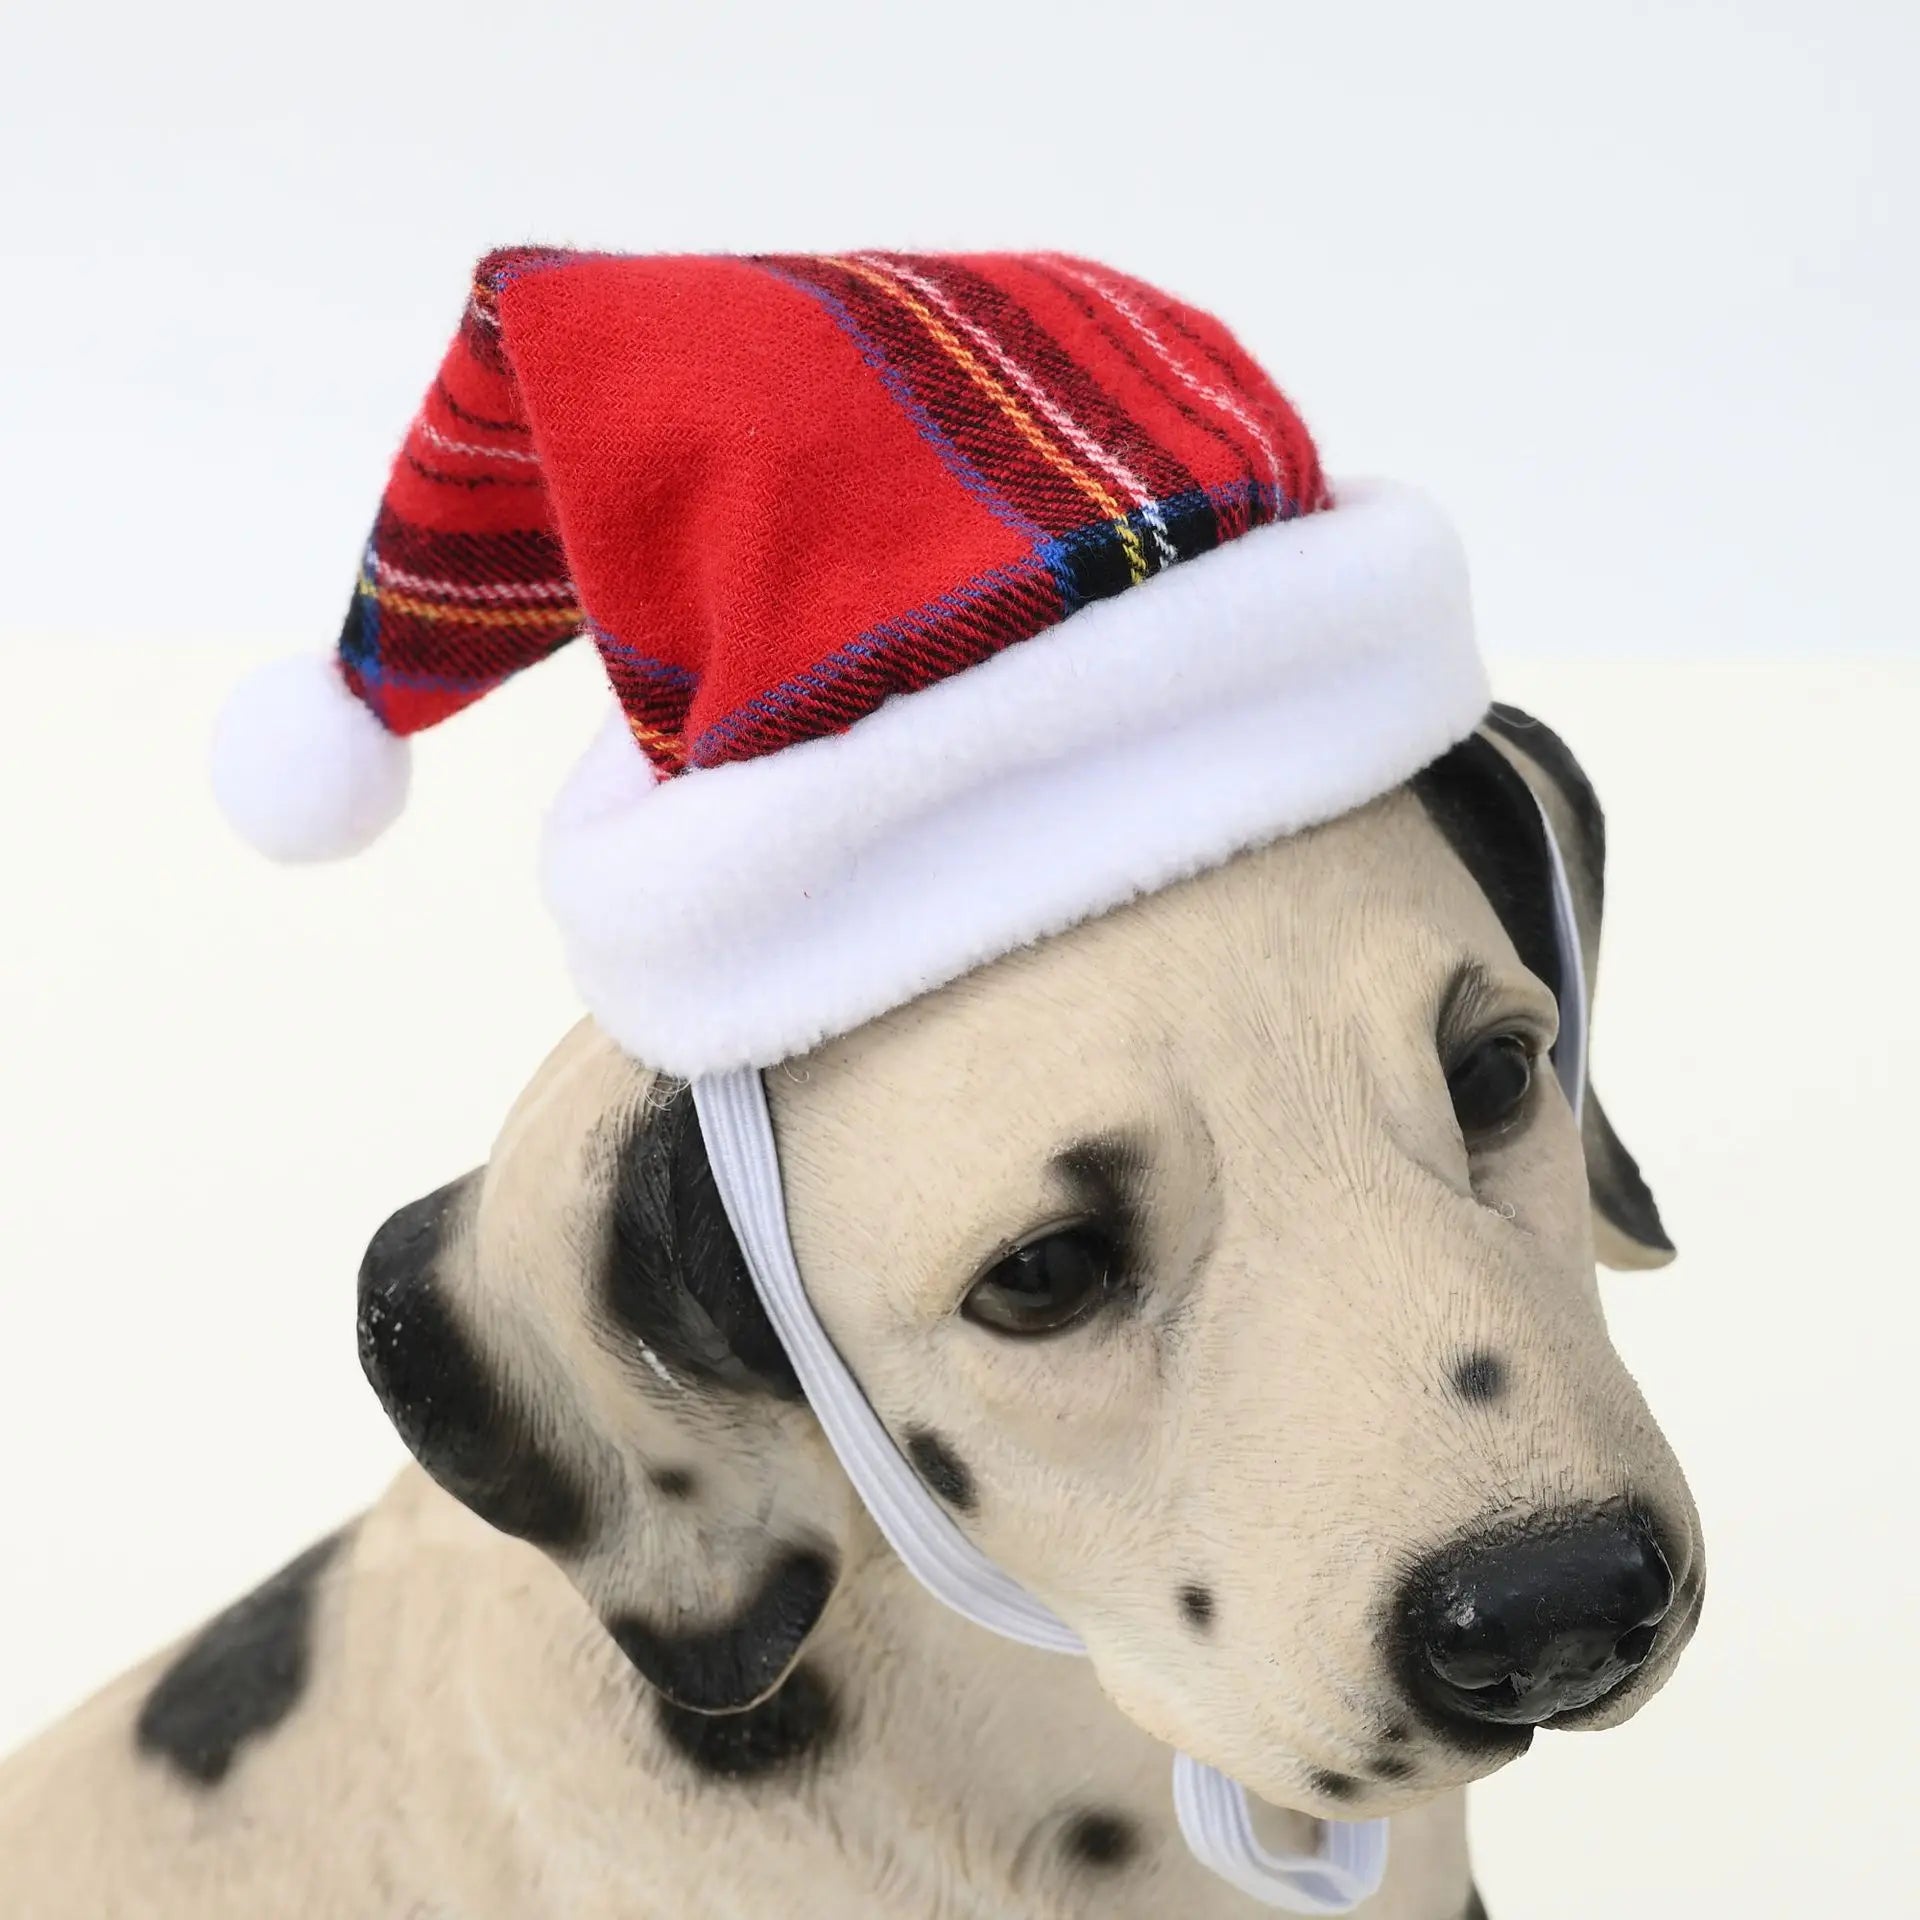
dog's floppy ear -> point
(569, 1343)
(1482, 796)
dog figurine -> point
(1224, 1265)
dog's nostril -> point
(1517, 1632)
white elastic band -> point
(1218, 1829)
(739, 1138)
(1212, 1809)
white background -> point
(1631, 287)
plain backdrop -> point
(1631, 287)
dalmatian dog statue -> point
(1224, 1266)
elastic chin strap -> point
(1212, 1809)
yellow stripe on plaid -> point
(1023, 422)
(670, 747)
(556, 617)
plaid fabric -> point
(791, 487)
(463, 581)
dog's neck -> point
(910, 1763)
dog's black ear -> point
(453, 1404)
(570, 1344)
(1482, 796)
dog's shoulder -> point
(217, 1777)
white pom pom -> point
(301, 767)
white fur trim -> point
(302, 767)
(741, 914)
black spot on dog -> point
(1391, 1766)
(1480, 1376)
(455, 1414)
(1334, 1786)
(1101, 1839)
(941, 1468)
(675, 1483)
(795, 1723)
(674, 1277)
(1196, 1602)
(1476, 1908)
(722, 1669)
(239, 1676)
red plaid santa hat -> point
(946, 601)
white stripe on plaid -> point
(1226, 403)
(428, 431)
(510, 590)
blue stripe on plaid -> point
(663, 671)
(360, 631)
(508, 264)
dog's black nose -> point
(1516, 1632)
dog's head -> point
(1225, 1265)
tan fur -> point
(1273, 1419)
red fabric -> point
(788, 488)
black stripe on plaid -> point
(468, 418)
(508, 558)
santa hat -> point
(946, 600)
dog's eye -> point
(1045, 1285)
(1489, 1082)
